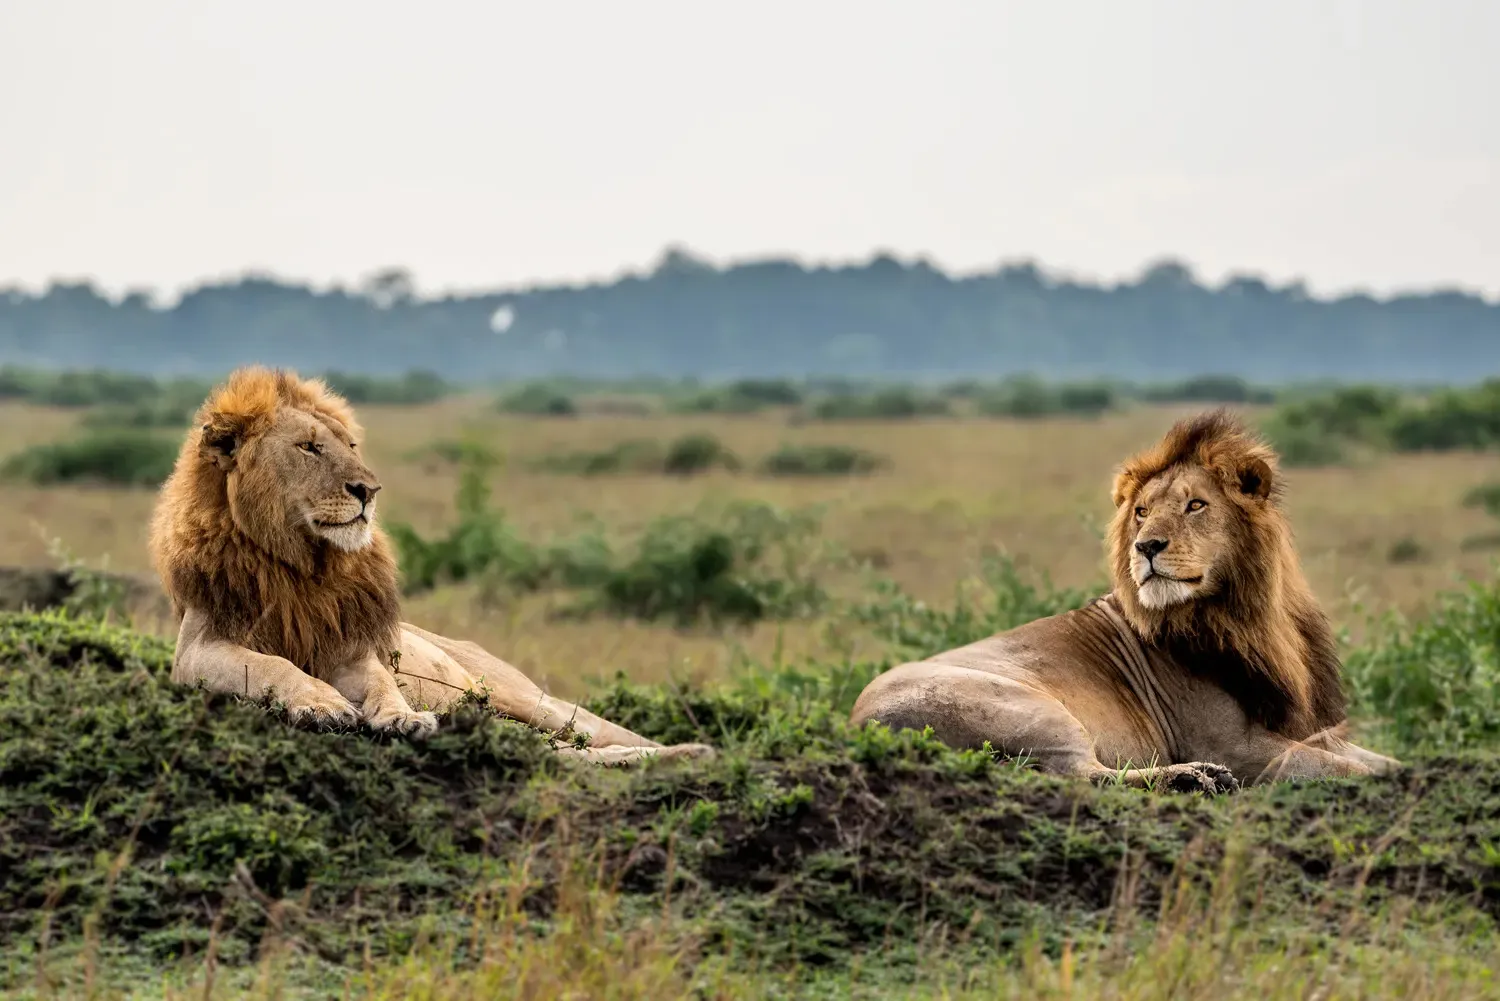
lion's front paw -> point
(687, 751)
(324, 708)
(403, 720)
(1200, 776)
(629, 754)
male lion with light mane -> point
(265, 539)
(1209, 660)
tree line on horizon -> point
(687, 317)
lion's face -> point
(306, 468)
(1185, 537)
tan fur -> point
(1209, 657)
(265, 539)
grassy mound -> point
(146, 826)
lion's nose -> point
(1150, 547)
(362, 491)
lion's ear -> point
(1255, 479)
(220, 443)
(1124, 486)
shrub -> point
(686, 570)
(1209, 389)
(1452, 419)
(1030, 397)
(95, 388)
(743, 397)
(635, 455)
(751, 563)
(820, 460)
(886, 404)
(414, 387)
(1001, 598)
(1325, 429)
(460, 451)
(125, 457)
(1487, 496)
(1434, 683)
(684, 456)
(697, 453)
(539, 400)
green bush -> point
(1030, 397)
(414, 387)
(1328, 428)
(1000, 598)
(126, 457)
(1208, 389)
(743, 397)
(820, 460)
(539, 400)
(887, 404)
(684, 456)
(635, 455)
(1449, 420)
(751, 563)
(697, 453)
(480, 544)
(1487, 496)
(687, 570)
(89, 388)
(1435, 683)
(460, 451)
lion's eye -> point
(310, 447)
(1197, 505)
(1140, 512)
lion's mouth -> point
(357, 519)
(1154, 574)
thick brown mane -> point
(1261, 635)
(260, 581)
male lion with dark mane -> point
(265, 539)
(1209, 660)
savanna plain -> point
(157, 841)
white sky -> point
(1354, 143)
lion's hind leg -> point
(966, 708)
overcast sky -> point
(1353, 143)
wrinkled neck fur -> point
(1276, 658)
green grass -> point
(742, 564)
(145, 826)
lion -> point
(1208, 661)
(265, 540)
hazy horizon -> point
(1351, 145)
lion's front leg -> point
(369, 685)
(227, 667)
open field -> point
(156, 842)
(1387, 533)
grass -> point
(951, 489)
(148, 827)
(809, 860)
(681, 569)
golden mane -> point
(275, 590)
(1261, 635)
